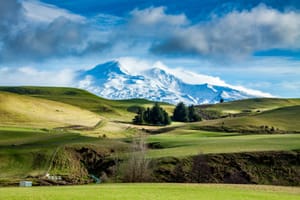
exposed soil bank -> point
(80, 165)
(274, 168)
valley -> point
(35, 140)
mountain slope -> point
(111, 80)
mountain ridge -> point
(111, 80)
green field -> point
(251, 105)
(112, 109)
(43, 128)
(153, 192)
(285, 119)
(25, 151)
(192, 142)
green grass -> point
(27, 151)
(18, 110)
(180, 143)
(153, 192)
(251, 105)
(113, 109)
(285, 119)
(52, 107)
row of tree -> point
(183, 113)
(155, 116)
(158, 116)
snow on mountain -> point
(111, 80)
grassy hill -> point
(116, 109)
(39, 122)
(246, 107)
(183, 142)
(280, 120)
(253, 105)
(50, 107)
(25, 111)
(29, 152)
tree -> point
(221, 100)
(139, 118)
(155, 116)
(181, 113)
(147, 115)
(136, 168)
(193, 115)
(167, 119)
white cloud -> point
(157, 15)
(134, 65)
(32, 76)
(253, 92)
(191, 77)
(42, 12)
(236, 34)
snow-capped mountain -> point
(111, 80)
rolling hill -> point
(25, 111)
(250, 105)
(117, 109)
(278, 120)
(31, 142)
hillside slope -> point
(280, 120)
(24, 111)
(112, 109)
(251, 105)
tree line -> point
(158, 116)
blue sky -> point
(249, 43)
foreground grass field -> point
(153, 192)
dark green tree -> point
(167, 119)
(147, 115)
(193, 115)
(157, 115)
(181, 113)
(139, 118)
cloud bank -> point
(235, 34)
(31, 76)
(33, 31)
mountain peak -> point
(107, 68)
(112, 80)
